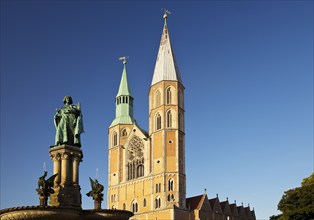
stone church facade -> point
(146, 170)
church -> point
(146, 169)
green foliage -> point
(298, 203)
(308, 181)
(274, 217)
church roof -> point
(124, 88)
(194, 202)
(166, 66)
(124, 119)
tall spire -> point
(166, 67)
(124, 100)
(124, 85)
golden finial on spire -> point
(124, 59)
(166, 13)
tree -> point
(274, 217)
(298, 203)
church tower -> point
(146, 170)
(166, 124)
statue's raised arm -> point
(68, 121)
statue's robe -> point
(69, 125)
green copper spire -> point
(124, 101)
(124, 86)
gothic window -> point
(158, 187)
(140, 170)
(115, 138)
(135, 158)
(170, 197)
(168, 95)
(157, 203)
(170, 185)
(134, 206)
(169, 119)
(144, 203)
(158, 121)
(124, 132)
(157, 98)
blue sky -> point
(247, 67)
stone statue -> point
(96, 192)
(45, 188)
(69, 123)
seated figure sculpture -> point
(69, 124)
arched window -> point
(140, 170)
(157, 99)
(134, 206)
(170, 185)
(157, 203)
(169, 119)
(168, 95)
(124, 132)
(115, 138)
(158, 121)
(170, 197)
(144, 203)
(123, 206)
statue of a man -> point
(69, 124)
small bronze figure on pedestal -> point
(96, 193)
(45, 188)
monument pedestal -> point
(67, 191)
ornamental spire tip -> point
(166, 13)
(124, 59)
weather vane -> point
(166, 13)
(124, 59)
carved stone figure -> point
(69, 124)
(45, 188)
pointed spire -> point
(124, 85)
(124, 100)
(166, 66)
